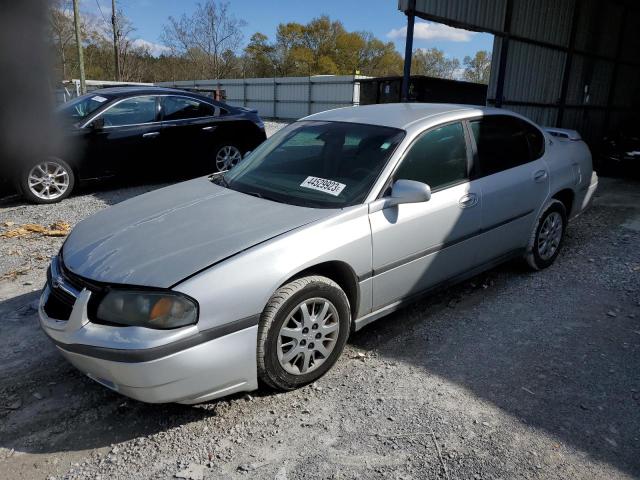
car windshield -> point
(81, 107)
(316, 164)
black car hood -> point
(162, 237)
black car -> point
(146, 132)
(619, 152)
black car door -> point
(125, 138)
(189, 133)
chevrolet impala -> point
(259, 274)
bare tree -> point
(116, 51)
(61, 30)
(130, 68)
(207, 37)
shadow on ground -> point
(564, 359)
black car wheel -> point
(548, 236)
(227, 156)
(48, 181)
(302, 332)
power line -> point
(101, 14)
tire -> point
(57, 178)
(542, 253)
(272, 342)
(226, 155)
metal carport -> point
(569, 63)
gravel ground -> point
(510, 375)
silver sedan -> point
(207, 287)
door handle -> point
(540, 176)
(469, 200)
(209, 128)
(150, 134)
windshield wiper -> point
(218, 179)
(263, 196)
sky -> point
(381, 17)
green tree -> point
(259, 56)
(433, 63)
(320, 47)
(477, 68)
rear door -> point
(514, 179)
(419, 245)
(129, 140)
(189, 133)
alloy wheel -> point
(227, 157)
(308, 336)
(550, 236)
(48, 180)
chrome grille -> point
(63, 291)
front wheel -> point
(302, 332)
(48, 181)
(548, 236)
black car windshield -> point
(316, 164)
(81, 107)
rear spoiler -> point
(563, 133)
(248, 110)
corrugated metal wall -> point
(283, 97)
(601, 86)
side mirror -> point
(403, 191)
(410, 191)
(97, 124)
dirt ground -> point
(512, 375)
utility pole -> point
(76, 24)
(114, 23)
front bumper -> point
(156, 366)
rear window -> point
(181, 108)
(505, 142)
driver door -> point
(419, 245)
(128, 142)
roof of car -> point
(398, 115)
(127, 91)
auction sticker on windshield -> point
(323, 185)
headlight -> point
(161, 310)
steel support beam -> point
(616, 69)
(408, 50)
(566, 74)
(504, 51)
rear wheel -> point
(227, 156)
(302, 332)
(48, 181)
(548, 236)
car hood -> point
(164, 236)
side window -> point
(505, 142)
(131, 112)
(438, 158)
(535, 139)
(181, 108)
